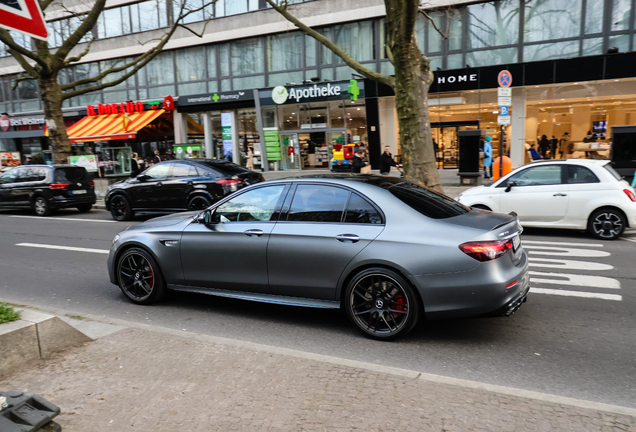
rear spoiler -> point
(513, 231)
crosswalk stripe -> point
(582, 294)
(563, 251)
(68, 248)
(573, 279)
(567, 264)
(64, 219)
(543, 243)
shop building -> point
(569, 59)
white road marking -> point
(64, 219)
(563, 251)
(567, 264)
(544, 243)
(68, 248)
(573, 279)
(582, 294)
(629, 239)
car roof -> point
(371, 179)
(573, 161)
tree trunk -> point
(52, 100)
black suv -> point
(46, 188)
(177, 186)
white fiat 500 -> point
(569, 193)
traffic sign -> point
(503, 120)
(504, 92)
(504, 101)
(505, 110)
(24, 16)
(504, 79)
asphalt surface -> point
(575, 337)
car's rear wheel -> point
(41, 207)
(199, 203)
(85, 208)
(606, 224)
(120, 208)
(382, 304)
(139, 277)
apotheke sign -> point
(313, 93)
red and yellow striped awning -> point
(111, 127)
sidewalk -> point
(149, 379)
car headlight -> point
(116, 239)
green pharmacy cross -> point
(215, 98)
(353, 89)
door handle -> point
(347, 238)
(560, 194)
(253, 233)
(159, 184)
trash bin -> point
(469, 163)
(507, 167)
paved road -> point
(575, 337)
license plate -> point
(516, 242)
(79, 192)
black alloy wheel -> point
(199, 203)
(85, 208)
(606, 224)
(139, 277)
(120, 208)
(381, 304)
(41, 207)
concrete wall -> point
(389, 128)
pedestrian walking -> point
(157, 158)
(544, 145)
(250, 158)
(488, 157)
(358, 162)
(563, 144)
(386, 161)
(134, 167)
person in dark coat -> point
(357, 162)
(134, 167)
(386, 161)
(544, 145)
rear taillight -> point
(91, 184)
(58, 185)
(486, 250)
(224, 182)
(630, 195)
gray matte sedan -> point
(386, 251)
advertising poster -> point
(226, 125)
(87, 161)
(10, 159)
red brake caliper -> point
(398, 299)
(151, 281)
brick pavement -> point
(141, 380)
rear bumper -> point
(60, 202)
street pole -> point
(501, 138)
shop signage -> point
(6, 122)
(457, 78)
(129, 107)
(10, 159)
(87, 161)
(226, 126)
(272, 144)
(313, 93)
(216, 97)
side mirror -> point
(206, 218)
(510, 184)
(142, 177)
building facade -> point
(569, 59)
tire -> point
(606, 224)
(199, 202)
(381, 304)
(85, 208)
(120, 208)
(41, 207)
(139, 277)
(480, 207)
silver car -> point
(386, 251)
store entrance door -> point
(290, 151)
(445, 135)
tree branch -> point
(21, 52)
(385, 79)
(432, 21)
(45, 3)
(78, 57)
(17, 80)
(87, 25)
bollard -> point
(26, 412)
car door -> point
(179, 185)
(231, 252)
(325, 227)
(538, 194)
(583, 186)
(147, 192)
(8, 181)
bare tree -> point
(44, 65)
(413, 77)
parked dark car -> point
(47, 188)
(386, 251)
(173, 186)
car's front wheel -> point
(606, 224)
(120, 208)
(382, 304)
(139, 277)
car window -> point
(253, 205)
(70, 175)
(360, 210)
(226, 168)
(613, 172)
(27, 175)
(537, 176)
(427, 202)
(183, 170)
(579, 174)
(158, 171)
(9, 176)
(318, 203)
